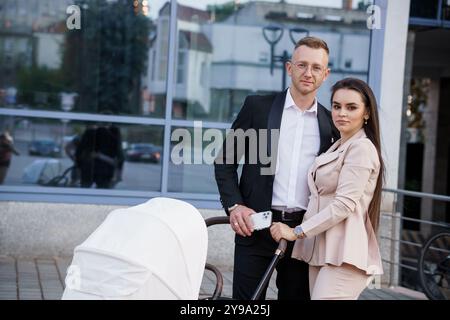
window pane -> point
(424, 9)
(446, 10)
(227, 57)
(191, 160)
(94, 60)
(102, 155)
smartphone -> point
(261, 220)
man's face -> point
(308, 69)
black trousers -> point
(251, 261)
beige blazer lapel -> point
(330, 155)
(312, 186)
(326, 157)
(336, 149)
(359, 134)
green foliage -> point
(363, 4)
(39, 87)
(104, 61)
(223, 11)
(417, 101)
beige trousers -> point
(329, 282)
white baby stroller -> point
(155, 250)
(41, 171)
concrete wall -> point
(54, 229)
(49, 229)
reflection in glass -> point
(117, 64)
(100, 66)
(7, 150)
(222, 55)
(99, 156)
(83, 154)
(193, 151)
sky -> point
(155, 5)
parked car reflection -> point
(46, 148)
(143, 152)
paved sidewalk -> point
(43, 279)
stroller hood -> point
(155, 250)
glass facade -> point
(193, 151)
(72, 71)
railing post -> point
(395, 244)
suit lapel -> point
(331, 154)
(312, 186)
(275, 114)
(324, 129)
(326, 158)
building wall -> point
(49, 50)
(33, 13)
(196, 88)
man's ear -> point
(288, 67)
(327, 73)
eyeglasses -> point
(316, 70)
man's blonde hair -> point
(314, 43)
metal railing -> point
(396, 238)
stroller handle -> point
(217, 220)
(282, 245)
(279, 253)
(226, 220)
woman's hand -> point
(280, 230)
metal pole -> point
(394, 250)
(279, 254)
(284, 59)
(272, 57)
(170, 92)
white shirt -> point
(297, 148)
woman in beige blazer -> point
(338, 234)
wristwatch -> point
(298, 231)
(234, 206)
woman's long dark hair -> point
(372, 130)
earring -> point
(365, 121)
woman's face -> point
(348, 111)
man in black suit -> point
(305, 130)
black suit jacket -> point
(254, 189)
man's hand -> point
(280, 231)
(240, 220)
